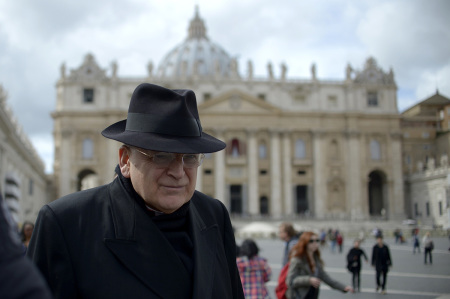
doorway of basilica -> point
(377, 194)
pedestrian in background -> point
(381, 260)
(332, 238)
(306, 270)
(289, 235)
(354, 264)
(416, 242)
(253, 270)
(428, 246)
(323, 237)
(26, 232)
(19, 278)
(339, 240)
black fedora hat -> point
(165, 120)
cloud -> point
(411, 36)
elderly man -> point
(149, 233)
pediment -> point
(89, 70)
(237, 102)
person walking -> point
(354, 264)
(339, 240)
(306, 270)
(428, 247)
(416, 241)
(381, 260)
(332, 238)
(288, 234)
(253, 270)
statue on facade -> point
(313, 71)
(150, 68)
(250, 70)
(283, 71)
(114, 69)
(270, 70)
(348, 72)
(234, 67)
(62, 70)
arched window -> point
(88, 148)
(375, 150)
(300, 151)
(262, 150)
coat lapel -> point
(205, 243)
(143, 249)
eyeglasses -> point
(314, 240)
(163, 160)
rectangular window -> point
(332, 101)
(236, 199)
(372, 99)
(440, 208)
(427, 208)
(88, 95)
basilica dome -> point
(196, 56)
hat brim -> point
(164, 143)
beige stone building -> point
(23, 183)
(426, 144)
(300, 147)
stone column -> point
(252, 154)
(320, 185)
(219, 172)
(65, 169)
(396, 206)
(287, 175)
(354, 190)
(275, 174)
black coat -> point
(381, 257)
(354, 259)
(100, 243)
(19, 278)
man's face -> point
(163, 189)
(380, 242)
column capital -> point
(251, 131)
(396, 135)
(318, 133)
(218, 130)
(352, 134)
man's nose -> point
(176, 167)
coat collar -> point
(141, 247)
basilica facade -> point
(296, 147)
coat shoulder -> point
(80, 200)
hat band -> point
(140, 122)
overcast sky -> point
(36, 37)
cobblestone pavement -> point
(409, 277)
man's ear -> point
(124, 160)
